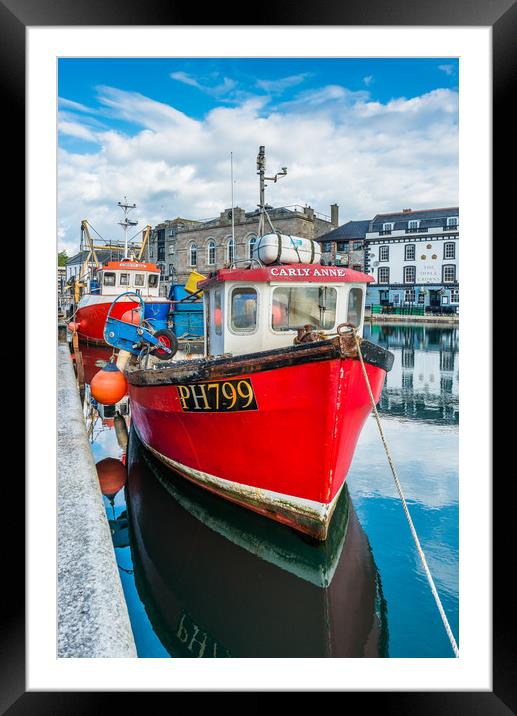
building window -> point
(384, 253)
(383, 275)
(193, 255)
(231, 251)
(171, 269)
(387, 227)
(244, 309)
(413, 224)
(449, 250)
(171, 249)
(455, 295)
(151, 252)
(327, 246)
(421, 298)
(409, 252)
(452, 221)
(251, 246)
(342, 245)
(297, 306)
(210, 259)
(358, 245)
(449, 273)
(409, 295)
(409, 274)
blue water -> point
(419, 412)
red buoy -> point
(131, 316)
(73, 326)
(109, 385)
(112, 476)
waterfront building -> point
(181, 246)
(75, 263)
(413, 257)
(345, 246)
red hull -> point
(287, 459)
(91, 316)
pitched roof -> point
(427, 217)
(347, 232)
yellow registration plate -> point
(220, 397)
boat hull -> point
(93, 310)
(288, 457)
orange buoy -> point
(112, 476)
(109, 385)
(131, 316)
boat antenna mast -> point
(261, 171)
(126, 222)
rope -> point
(404, 504)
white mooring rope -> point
(406, 510)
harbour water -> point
(206, 578)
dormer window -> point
(387, 226)
(413, 224)
(452, 221)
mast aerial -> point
(261, 171)
(126, 208)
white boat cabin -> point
(117, 277)
(259, 309)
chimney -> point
(334, 215)
(406, 211)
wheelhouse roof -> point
(128, 264)
(289, 272)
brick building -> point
(182, 245)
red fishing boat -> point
(102, 284)
(112, 280)
(270, 416)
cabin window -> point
(355, 306)
(153, 280)
(139, 279)
(218, 313)
(298, 306)
(124, 279)
(109, 279)
(244, 309)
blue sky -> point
(334, 122)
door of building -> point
(434, 300)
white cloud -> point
(280, 85)
(448, 69)
(368, 80)
(226, 86)
(338, 145)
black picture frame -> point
(501, 16)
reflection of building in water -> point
(423, 382)
(220, 581)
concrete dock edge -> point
(93, 619)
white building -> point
(413, 256)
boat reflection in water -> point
(220, 581)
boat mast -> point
(261, 171)
(233, 220)
(126, 208)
